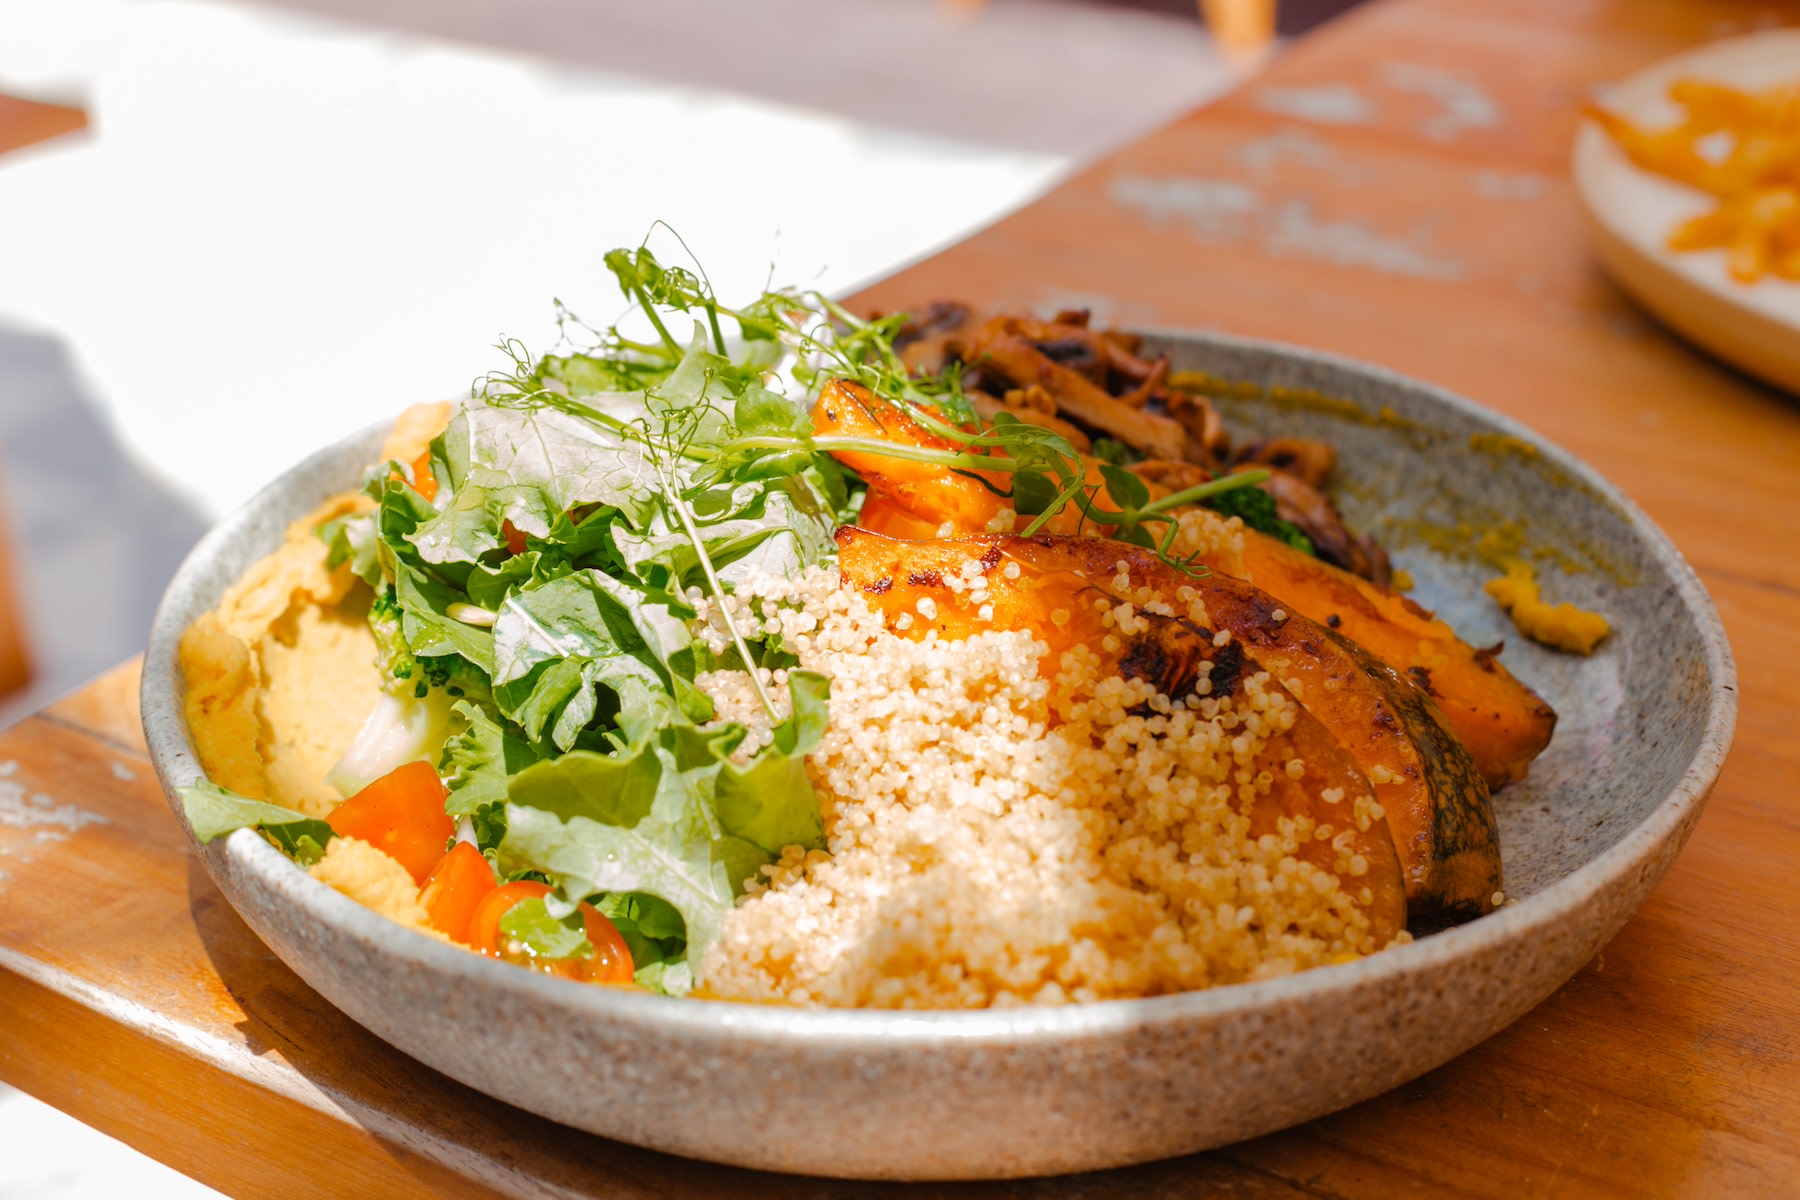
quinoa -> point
(999, 833)
(1217, 539)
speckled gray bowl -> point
(1645, 725)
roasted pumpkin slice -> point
(929, 491)
(926, 588)
(1436, 801)
(1504, 724)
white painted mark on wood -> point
(1464, 104)
(1294, 230)
(1219, 209)
(1228, 211)
(1502, 185)
(123, 773)
(38, 811)
(1286, 146)
(1325, 104)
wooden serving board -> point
(1394, 188)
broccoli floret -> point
(410, 675)
(1256, 508)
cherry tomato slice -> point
(402, 815)
(424, 478)
(457, 886)
(484, 925)
(610, 962)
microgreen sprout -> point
(1045, 474)
(672, 496)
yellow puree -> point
(280, 676)
(1562, 626)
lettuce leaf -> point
(672, 853)
(352, 539)
(770, 802)
(672, 978)
(529, 921)
(565, 646)
(478, 762)
(213, 812)
(707, 826)
(612, 789)
(749, 529)
(546, 591)
(529, 467)
(429, 628)
(652, 929)
(574, 617)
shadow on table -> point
(94, 535)
(423, 1120)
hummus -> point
(374, 880)
(281, 675)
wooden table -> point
(1395, 189)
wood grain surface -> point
(1392, 189)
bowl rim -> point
(176, 766)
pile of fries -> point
(1743, 148)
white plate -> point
(1631, 211)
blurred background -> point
(232, 233)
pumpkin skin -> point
(1504, 724)
(1176, 655)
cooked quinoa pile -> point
(999, 834)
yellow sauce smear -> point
(1562, 626)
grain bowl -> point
(1645, 725)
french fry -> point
(1713, 106)
(1670, 153)
(1754, 174)
(1748, 255)
(1708, 231)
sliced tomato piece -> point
(455, 889)
(610, 962)
(484, 924)
(402, 815)
(424, 478)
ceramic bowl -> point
(1631, 211)
(1644, 727)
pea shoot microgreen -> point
(810, 338)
